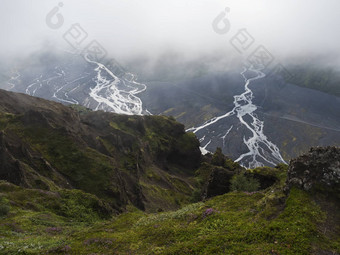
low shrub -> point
(240, 182)
(4, 207)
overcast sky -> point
(128, 28)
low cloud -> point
(132, 30)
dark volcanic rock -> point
(218, 182)
(9, 167)
(217, 171)
(317, 170)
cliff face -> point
(318, 174)
(146, 161)
(318, 170)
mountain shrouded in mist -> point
(169, 127)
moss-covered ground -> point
(71, 222)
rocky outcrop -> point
(319, 170)
(216, 173)
(218, 182)
(10, 169)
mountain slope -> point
(286, 217)
(145, 161)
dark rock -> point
(218, 182)
(10, 169)
(16, 157)
(36, 117)
(317, 170)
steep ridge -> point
(146, 161)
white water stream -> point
(116, 94)
(260, 149)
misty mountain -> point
(281, 119)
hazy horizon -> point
(148, 30)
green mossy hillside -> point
(264, 222)
(147, 161)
